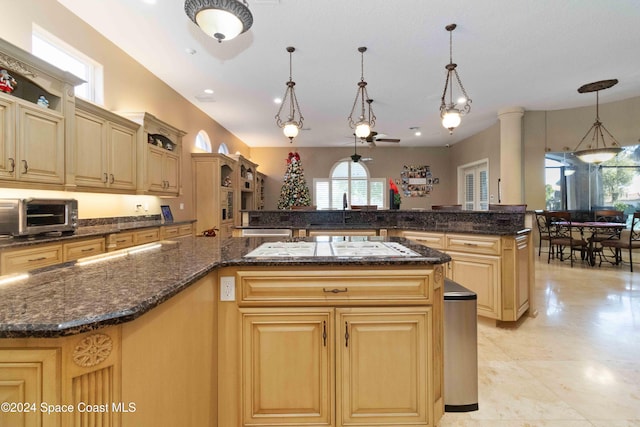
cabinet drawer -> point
(119, 241)
(185, 230)
(335, 287)
(432, 240)
(169, 232)
(146, 236)
(474, 244)
(75, 250)
(21, 260)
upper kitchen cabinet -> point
(159, 153)
(105, 150)
(35, 98)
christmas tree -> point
(294, 190)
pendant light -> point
(450, 112)
(594, 152)
(220, 19)
(363, 123)
(355, 156)
(291, 126)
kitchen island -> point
(142, 339)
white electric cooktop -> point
(329, 249)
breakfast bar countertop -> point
(72, 298)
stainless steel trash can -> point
(460, 348)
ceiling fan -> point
(374, 137)
(355, 156)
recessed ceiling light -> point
(209, 91)
(277, 100)
(418, 133)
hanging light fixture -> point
(450, 112)
(594, 152)
(363, 123)
(220, 19)
(355, 156)
(291, 126)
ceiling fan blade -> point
(387, 140)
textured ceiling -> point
(533, 54)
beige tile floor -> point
(577, 364)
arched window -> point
(352, 179)
(223, 149)
(203, 142)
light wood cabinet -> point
(169, 231)
(26, 259)
(105, 150)
(246, 194)
(40, 145)
(336, 347)
(83, 248)
(159, 151)
(497, 268)
(32, 137)
(127, 239)
(215, 190)
(29, 377)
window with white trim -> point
(62, 55)
(352, 179)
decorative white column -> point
(511, 149)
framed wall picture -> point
(166, 213)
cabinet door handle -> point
(471, 244)
(87, 250)
(334, 290)
(25, 165)
(13, 165)
(105, 178)
(346, 334)
(324, 332)
(121, 241)
(38, 259)
(112, 180)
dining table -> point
(597, 228)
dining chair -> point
(543, 231)
(561, 236)
(629, 239)
(600, 235)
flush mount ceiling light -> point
(364, 123)
(291, 126)
(220, 19)
(595, 153)
(450, 112)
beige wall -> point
(387, 163)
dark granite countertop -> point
(71, 299)
(501, 223)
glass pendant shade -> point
(451, 119)
(290, 130)
(219, 24)
(598, 155)
(363, 129)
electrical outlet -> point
(227, 288)
(181, 206)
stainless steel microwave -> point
(26, 217)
